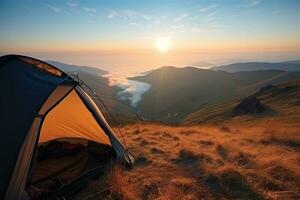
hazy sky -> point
(116, 34)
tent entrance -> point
(72, 119)
(62, 161)
(71, 143)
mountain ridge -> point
(77, 68)
(293, 65)
(176, 92)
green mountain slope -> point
(177, 92)
(281, 100)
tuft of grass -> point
(150, 191)
(187, 156)
(206, 142)
(118, 186)
(222, 151)
(241, 159)
(235, 185)
(225, 129)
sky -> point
(138, 35)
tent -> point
(40, 104)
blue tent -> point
(32, 92)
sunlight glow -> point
(163, 44)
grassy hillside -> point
(177, 92)
(254, 66)
(282, 100)
(243, 160)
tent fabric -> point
(24, 89)
(71, 119)
(17, 183)
(122, 154)
(39, 103)
(43, 66)
(58, 94)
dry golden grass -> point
(214, 161)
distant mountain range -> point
(186, 94)
(257, 66)
(77, 68)
(177, 92)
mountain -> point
(292, 62)
(177, 92)
(255, 66)
(280, 100)
(201, 64)
(77, 68)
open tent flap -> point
(71, 143)
(71, 119)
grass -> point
(209, 161)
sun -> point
(163, 44)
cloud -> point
(253, 3)
(133, 24)
(207, 28)
(211, 14)
(180, 17)
(208, 8)
(208, 12)
(89, 10)
(177, 26)
(128, 15)
(131, 91)
(112, 14)
(73, 7)
(146, 17)
(53, 8)
(201, 30)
